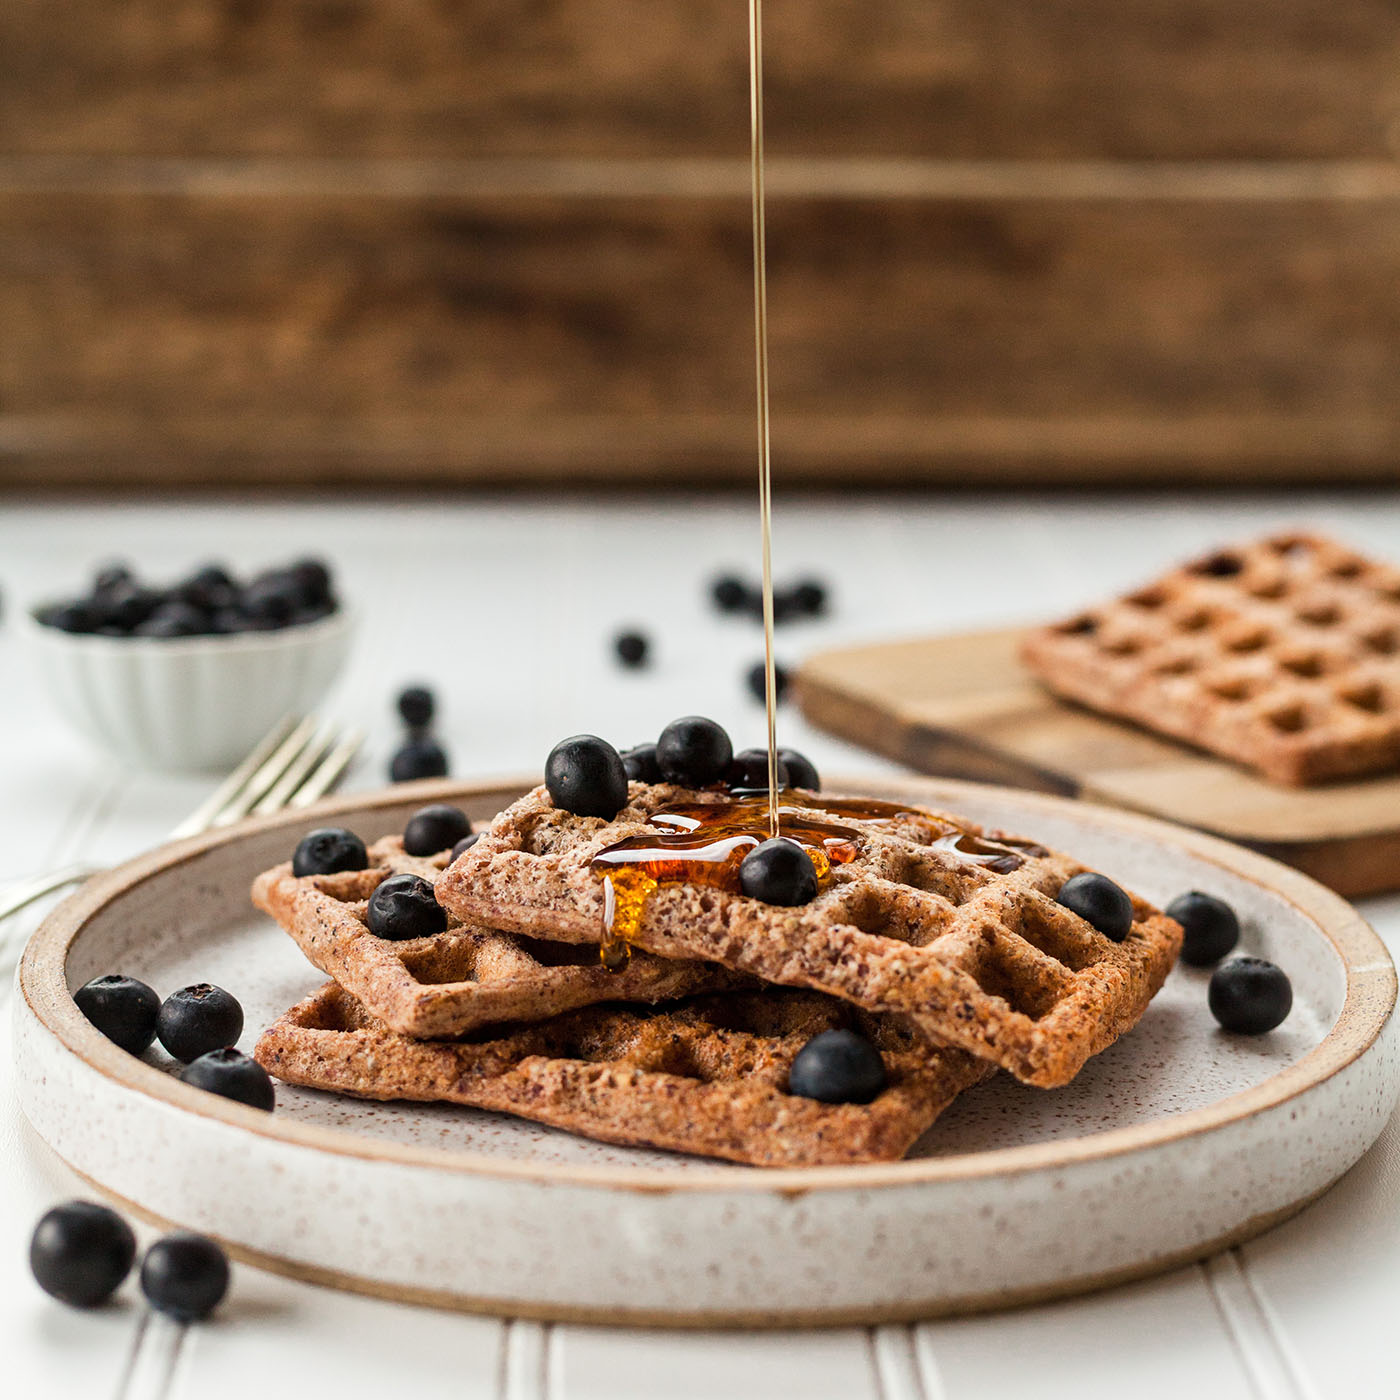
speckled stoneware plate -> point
(1174, 1142)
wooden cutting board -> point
(963, 706)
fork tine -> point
(202, 818)
(280, 793)
(282, 758)
(329, 771)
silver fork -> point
(298, 761)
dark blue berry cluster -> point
(420, 755)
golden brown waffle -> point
(706, 1076)
(468, 976)
(976, 954)
(1283, 655)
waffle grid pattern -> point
(1282, 655)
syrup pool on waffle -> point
(705, 844)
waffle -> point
(1282, 655)
(706, 1076)
(469, 976)
(975, 952)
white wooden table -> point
(508, 606)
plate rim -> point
(1369, 1001)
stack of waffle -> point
(951, 964)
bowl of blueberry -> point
(191, 675)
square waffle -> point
(932, 919)
(706, 1076)
(1282, 655)
(469, 976)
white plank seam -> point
(1273, 1372)
(525, 1375)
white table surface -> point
(507, 606)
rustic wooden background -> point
(251, 241)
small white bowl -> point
(186, 703)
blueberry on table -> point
(1249, 995)
(1098, 901)
(416, 706)
(465, 844)
(802, 772)
(418, 758)
(837, 1067)
(809, 595)
(585, 776)
(435, 828)
(231, 1074)
(80, 1252)
(1210, 926)
(329, 850)
(778, 872)
(748, 771)
(756, 678)
(640, 764)
(693, 751)
(184, 1276)
(404, 906)
(729, 593)
(631, 648)
(198, 1019)
(122, 1008)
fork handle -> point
(25, 892)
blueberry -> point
(802, 773)
(631, 648)
(435, 828)
(198, 1019)
(271, 598)
(465, 844)
(640, 764)
(227, 621)
(404, 906)
(809, 595)
(418, 758)
(416, 705)
(122, 1008)
(327, 850)
(1098, 901)
(174, 619)
(311, 578)
(585, 776)
(1210, 925)
(837, 1067)
(112, 576)
(748, 771)
(184, 1276)
(785, 607)
(126, 606)
(693, 752)
(756, 679)
(233, 1075)
(80, 1252)
(1249, 995)
(77, 617)
(778, 872)
(729, 594)
(210, 588)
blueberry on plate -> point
(802, 772)
(631, 648)
(198, 1019)
(403, 907)
(418, 758)
(80, 1252)
(184, 1276)
(122, 1008)
(329, 850)
(748, 771)
(465, 844)
(729, 593)
(585, 776)
(837, 1067)
(640, 764)
(1210, 926)
(416, 706)
(435, 828)
(233, 1075)
(693, 751)
(1098, 901)
(778, 872)
(1249, 995)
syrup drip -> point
(705, 843)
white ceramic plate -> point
(1174, 1142)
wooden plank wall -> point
(483, 240)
